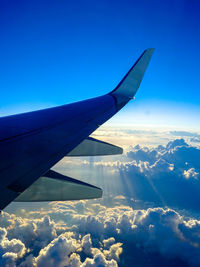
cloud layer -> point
(166, 175)
(151, 223)
(90, 233)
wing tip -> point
(151, 49)
(129, 85)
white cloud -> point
(191, 173)
(10, 250)
(57, 253)
(99, 260)
(87, 244)
(100, 238)
(108, 242)
(114, 252)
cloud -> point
(114, 251)
(108, 242)
(166, 175)
(10, 250)
(123, 233)
(140, 154)
(87, 244)
(183, 133)
(99, 260)
(176, 143)
(191, 173)
(57, 253)
(195, 139)
(43, 242)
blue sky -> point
(56, 52)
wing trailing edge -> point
(93, 147)
(54, 186)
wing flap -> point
(93, 147)
(57, 187)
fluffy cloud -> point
(126, 233)
(191, 173)
(44, 242)
(114, 251)
(57, 252)
(99, 260)
(183, 133)
(168, 175)
(10, 250)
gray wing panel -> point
(93, 147)
(55, 186)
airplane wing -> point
(33, 142)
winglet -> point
(129, 85)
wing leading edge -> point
(31, 143)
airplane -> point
(32, 143)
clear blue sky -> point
(56, 52)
